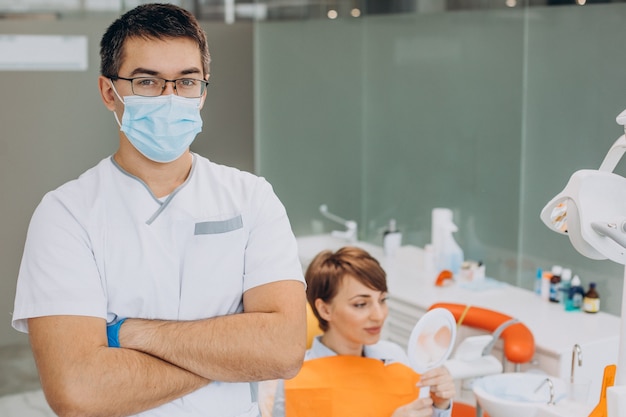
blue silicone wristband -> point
(113, 333)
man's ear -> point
(106, 92)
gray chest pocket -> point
(213, 269)
(218, 226)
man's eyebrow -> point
(146, 71)
(143, 71)
(191, 71)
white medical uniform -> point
(104, 246)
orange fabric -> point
(340, 386)
(519, 343)
(465, 410)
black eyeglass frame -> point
(203, 89)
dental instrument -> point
(351, 232)
(473, 358)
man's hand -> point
(82, 376)
(266, 341)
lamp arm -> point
(614, 230)
(614, 155)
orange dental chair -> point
(518, 341)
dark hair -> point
(327, 270)
(151, 21)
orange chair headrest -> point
(519, 343)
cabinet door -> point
(401, 320)
(595, 357)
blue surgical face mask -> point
(162, 127)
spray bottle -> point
(447, 253)
(392, 239)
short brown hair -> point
(327, 270)
(150, 21)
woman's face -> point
(357, 313)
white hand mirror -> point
(431, 342)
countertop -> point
(555, 330)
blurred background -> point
(379, 109)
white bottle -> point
(448, 254)
(392, 239)
(577, 293)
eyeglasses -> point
(154, 86)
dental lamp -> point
(591, 211)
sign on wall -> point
(43, 53)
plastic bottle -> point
(392, 239)
(591, 302)
(566, 281)
(448, 254)
(576, 294)
(555, 283)
(538, 281)
(545, 285)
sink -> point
(514, 394)
(309, 246)
(565, 408)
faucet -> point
(551, 385)
(576, 352)
(351, 232)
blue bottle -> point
(576, 294)
(538, 281)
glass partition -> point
(309, 115)
(487, 112)
(442, 126)
(574, 91)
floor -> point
(20, 391)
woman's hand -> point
(441, 393)
(441, 386)
(422, 407)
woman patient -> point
(347, 291)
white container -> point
(448, 254)
(392, 239)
